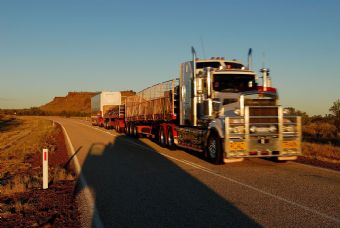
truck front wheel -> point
(214, 150)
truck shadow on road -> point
(135, 186)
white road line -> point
(233, 180)
(191, 163)
(97, 222)
(97, 129)
(76, 162)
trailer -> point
(101, 104)
(153, 111)
(114, 118)
(218, 108)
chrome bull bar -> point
(262, 136)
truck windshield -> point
(233, 65)
(201, 65)
(234, 82)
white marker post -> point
(45, 168)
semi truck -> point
(216, 107)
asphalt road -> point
(136, 183)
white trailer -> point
(101, 103)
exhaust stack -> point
(266, 81)
(194, 95)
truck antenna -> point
(250, 58)
(193, 52)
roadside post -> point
(45, 168)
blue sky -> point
(48, 48)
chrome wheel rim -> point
(170, 138)
(212, 148)
(162, 137)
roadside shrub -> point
(322, 152)
(320, 130)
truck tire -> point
(135, 132)
(161, 138)
(171, 139)
(129, 129)
(214, 150)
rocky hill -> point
(73, 102)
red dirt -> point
(36, 207)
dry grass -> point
(19, 141)
(61, 174)
(23, 202)
(18, 144)
(322, 152)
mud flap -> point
(287, 158)
(232, 160)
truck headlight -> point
(272, 128)
(289, 128)
(238, 129)
(252, 129)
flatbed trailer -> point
(153, 112)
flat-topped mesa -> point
(72, 102)
(56, 99)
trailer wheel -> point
(129, 130)
(214, 149)
(135, 132)
(162, 137)
(171, 141)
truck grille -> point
(259, 102)
(263, 114)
